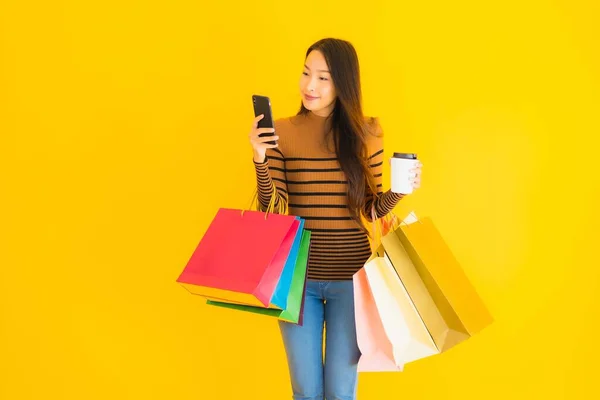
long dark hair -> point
(348, 123)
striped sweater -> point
(308, 177)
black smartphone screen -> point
(262, 105)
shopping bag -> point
(241, 256)
(401, 321)
(447, 301)
(426, 287)
(377, 352)
(280, 296)
(294, 307)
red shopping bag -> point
(240, 257)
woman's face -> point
(316, 86)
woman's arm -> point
(272, 170)
(382, 202)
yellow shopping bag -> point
(446, 300)
(421, 302)
(394, 253)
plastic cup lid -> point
(410, 156)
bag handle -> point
(281, 208)
(382, 226)
(377, 227)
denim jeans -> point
(328, 304)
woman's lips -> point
(310, 98)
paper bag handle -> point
(382, 226)
(281, 208)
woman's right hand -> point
(259, 144)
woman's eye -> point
(323, 78)
(305, 73)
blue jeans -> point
(329, 304)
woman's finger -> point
(256, 120)
(266, 139)
(260, 131)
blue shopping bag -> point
(280, 296)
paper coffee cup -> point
(402, 164)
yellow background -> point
(123, 127)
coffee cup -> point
(402, 176)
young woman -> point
(326, 167)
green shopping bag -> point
(295, 301)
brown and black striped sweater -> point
(308, 177)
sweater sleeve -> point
(272, 170)
(384, 202)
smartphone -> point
(262, 105)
